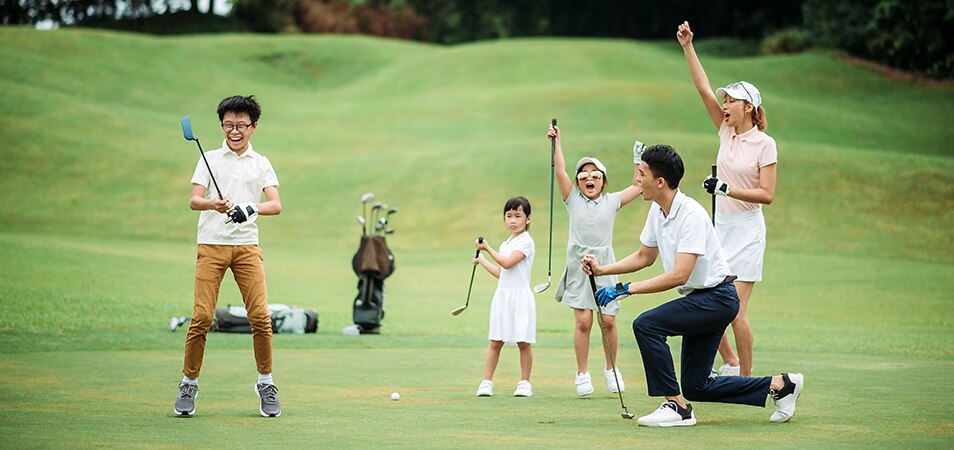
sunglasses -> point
(596, 175)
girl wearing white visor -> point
(747, 164)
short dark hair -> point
(239, 104)
(665, 163)
(515, 204)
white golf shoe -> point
(669, 414)
(486, 389)
(584, 384)
(785, 398)
(523, 389)
(611, 380)
(728, 370)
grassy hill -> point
(97, 241)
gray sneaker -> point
(268, 393)
(185, 402)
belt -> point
(728, 279)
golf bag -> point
(285, 319)
(373, 263)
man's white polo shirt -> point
(242, 179)
(686, 230)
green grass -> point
(97, 241)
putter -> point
(187, 133)
(367, 197)
(467, 303)
(599, 315)
(714, 171)
(542, 287)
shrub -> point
(792, 40)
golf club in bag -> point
(599, 315)
(372, 263)
(542, 287)
(461, 309)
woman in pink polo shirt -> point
(747, 163)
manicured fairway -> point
(97, 241)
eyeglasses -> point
(241, 127)
(596, 175)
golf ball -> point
(395, 396)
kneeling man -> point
(678, 230)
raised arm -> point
(699, 78)
(559, 164)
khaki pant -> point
(247, 266)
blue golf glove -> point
(606, 294)
(714, 185)
(243, 212)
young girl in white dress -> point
(592, 213)
(513, 314)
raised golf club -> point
(599, 315)
(467, 302)
(542, 287)
(187, 133)
(714, 174)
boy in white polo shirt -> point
(228, 239)
(679, 232)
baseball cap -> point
(742, 90)
(587, 160)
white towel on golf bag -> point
(513, 311)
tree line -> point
(911, 35)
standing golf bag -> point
(373, 262)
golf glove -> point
(607, 294)
(638, 149)
(243, 212)
(714, 185)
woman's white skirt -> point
(742, 236)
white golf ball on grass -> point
(395, 396)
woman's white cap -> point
(586, 160)
(743, 90)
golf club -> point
(542, 287)
(367, 197)
(187, 133)
(714, 171)
(599, 315)
(374, 211)
(363, 225)
(467, 303)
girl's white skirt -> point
(513, 316)
(742, 236)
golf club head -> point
(187, 129)
(627, 415)
(458, 310)
(541, 287)
(360, 220)
(367, 197)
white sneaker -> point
(584, 385)
(728, 370)
(523, 389)
(785, 404)
(611, 380)
(668, 415)
(486, 389)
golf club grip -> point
(714, 174)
